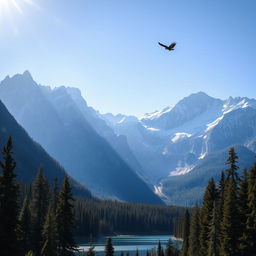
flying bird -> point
(170, 47)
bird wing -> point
(172, 45)
(163, 45)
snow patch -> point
(156, 114)
(158, 190)
(213, 124)
(181, 170)
(180, 135)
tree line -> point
(225, 224)
(43, 220)
(43, 224)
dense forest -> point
(43, 220)
(225, 224)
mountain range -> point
(167, 155)
(57, 120)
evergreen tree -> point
(39, 206)
(251, 217)
(214, 243)
(121, 253)
(243, 214)
(25, 227)
(136, 252)
(50, 235)
(186, 226)
(194, 243)
(229, 224)
(169, 248)
(109, 249)
(230, 221)
(205, 216)
(9, 208)
(160, 251)
(232, 161)
(65, 220)
(55, 196)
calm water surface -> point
(129, 244)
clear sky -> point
(109, 48)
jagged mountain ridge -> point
(175, 141)
(53, 118)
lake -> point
(129, 243)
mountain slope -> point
(53, 119)
(175, 141)
(188, 189)
(30, 156)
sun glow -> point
(8, 5)
(12, 10)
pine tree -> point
(205, 216)
(243, 214)
(232, 161)
(55, 196)
(186, 226)
(25, 227)
(214, 243)
(39, 206)
(230, 220)
(221, 188)
(136, 252)
(66, 220)
(194, 243)
(251, 218)
(50, 235)
(9, 208)
(160, 251)
(109, 249)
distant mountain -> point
(175, 141)
(60, 120)
(188, 188)
(29, 155)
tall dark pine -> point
(109, 249)
(9, 208)
(50, 235)
(39, 206)
(55, 196)
(232, 161)
(160, 251)
(205, 216)
(251, 220)
(243, 214)
(186, 229)
(230, 229)
(213, 240)
(66, 220)
(194, 242)
(25, 227)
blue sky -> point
(109, 49)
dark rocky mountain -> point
(30, 156)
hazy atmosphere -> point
(127, 128)
(109, 49)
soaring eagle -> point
(170, 47)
